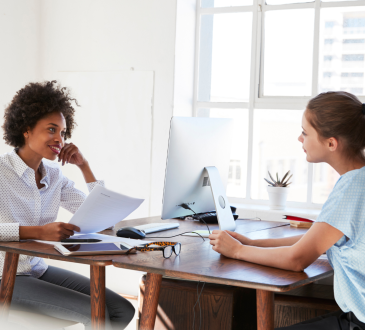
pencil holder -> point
(277, 197)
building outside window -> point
(259, 62)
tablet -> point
(92, 248)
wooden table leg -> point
(7, 283)
(265, 310)
(97, 296)
(150, 301)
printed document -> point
(103, 208)
(103, 238)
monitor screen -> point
(195, 143)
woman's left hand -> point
(225, 244)
(72, 155)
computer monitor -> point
(197, 168)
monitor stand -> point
(224, 213)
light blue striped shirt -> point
(345, 210)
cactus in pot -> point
(278, 190)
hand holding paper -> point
(103, 208)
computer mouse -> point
(130, 232)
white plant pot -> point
(277, 197)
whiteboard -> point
(114, 130)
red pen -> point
(294, 218)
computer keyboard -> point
(153, 227)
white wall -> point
(184, 58)
(41, 38)
(109, 35)
(114, 35)
(19, 52)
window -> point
(353, 41)
(260, 62)
(330, 24)
(356, 90)
(354, 22)
(353, 57)
(352, 74)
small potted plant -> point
(278, 190)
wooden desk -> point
(97, 266)
(153, 263)
(97, 275)
(199, 262)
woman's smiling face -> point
(47, 137)
(316, 150)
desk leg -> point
(150, 301)
(97, 296)
(7, 283)
(265, 310)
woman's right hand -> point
(56, 231)
(243, 239)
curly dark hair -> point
(32, 103)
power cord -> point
(198, 302)
(187, 207)
(187, 232)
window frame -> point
(257, 100)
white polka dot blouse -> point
(23, 204)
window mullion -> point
(255, 42)
(315, 65)
(315, 61)
(261, 52)
(310, 183)
(196, 59)
(342, 4)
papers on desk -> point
(104, 239)
(103, 208)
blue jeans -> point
(66, 295)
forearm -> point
(29, 232)
(275, 242)
(278, 257)
(87, 173)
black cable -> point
(187, 207)
(187, 232)
(206, 225)
(198, 302)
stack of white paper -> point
(103, 208)
(103, 238)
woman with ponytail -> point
(333, 132)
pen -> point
(75, 240)
(291, 217)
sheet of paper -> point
(104, 238)
(103, 208)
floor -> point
(131, 326)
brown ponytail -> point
(339, 115)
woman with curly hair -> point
(37, 122)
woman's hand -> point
(72, 155)
(241, 238)
(56, 231)
(225, 244)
